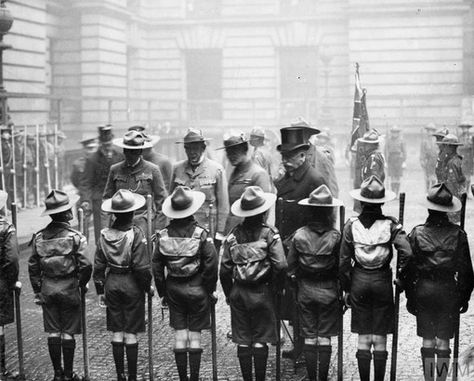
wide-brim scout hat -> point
(123, 201)
(88, 141)
(257, 133)
(440, 198)
(133, 140)
(58, 201)
(450, 140)
(430, 127)
(234, 140)
(321, 196)
(465, 124)
(3, 199)
(193, 136)
(183, 202)
(253, 201)
(441, 132)
(373, 191)
(370, 137)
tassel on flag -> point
(360, 119)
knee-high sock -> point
(428, 360)
(260, 357)
(69, 346)
(54, 347)
(442, 364)
(194, 363)
(132, 357)
(245, 359)
(118, 351)
(380, 364)
(324, 360)
(363, 362)
(181, 358)
(2, 354)
(311, 357)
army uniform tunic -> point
(440, 276)
(364, 270)
(144, 178)
(466, 151)
(313, 258)
(452, 175)
(122, 271)
(188, 254)
(252, 265)
(208, 177)
(8, 270)
(58, 268)
(160, 160)
(374, 164)
(428, 159)
(395, 152)
(244, 175)
(78, 176)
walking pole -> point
(149, 232)
(457, 320)
(393, 365)
(37, 168)
(56, 181)
(46, 159)
(13, 170)
(2, 168)
(25, 168)
(212, 232)
(85, 348)
(340, 341)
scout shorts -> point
(58, 317)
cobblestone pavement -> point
(38, 368)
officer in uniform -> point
(396, 154)
(440, 281)
(451, 172)
(428, 155)
(200, 173)
(139, 176)
(244, 174)
(259, 155)
(186, 251)
(8, 279)
(252, 267)
(59, 271)
(366, 276)
(439, 134)
(466, 151)
(313, 260)
(89, 147)
(95, 175)
(122, 275)
(160, 160)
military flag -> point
(360, 119)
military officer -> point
(451, 172)
(259, 154)
(466, 151)
(428, 155)
(244, 174)
(439, 134)
(200, 173)
(95, 175)
(396, 154)
(139, 176)
(59, 271)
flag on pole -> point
(360, 119)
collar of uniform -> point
(198, 170)
(318, 227)
(137, 167)
(300, 172)
(182, 227)
(54, 227)
(119, 225)
(437, 218)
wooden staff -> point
(393, 365)
(25, 168)
(457, 321)
(149, 231)
(46, 159)
(37, 168)
(56, 168)
(340, 341)
(2, 167)
(13, 171)
(212, 233)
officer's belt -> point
(119, 270)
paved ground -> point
(102, 368)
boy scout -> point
(59, 271)
(441, 280)
(313, 258)
(122, 255)
(187, 252)
(252, 264)
(366, 276)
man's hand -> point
(85, 205)
(347, 299)
(38, 299)
(102, 301)
(213, 297)
(151, 291)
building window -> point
(298, 82)
(469, 53)
(297, 7)
(203, 8)
(204, 83)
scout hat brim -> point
(138, 202)
(335, 202)
(72, 202)
(454, 207)
(119, 143)
(448, 143)
(362, 140)
(237, 210)
(198, 200)
(389, 196)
